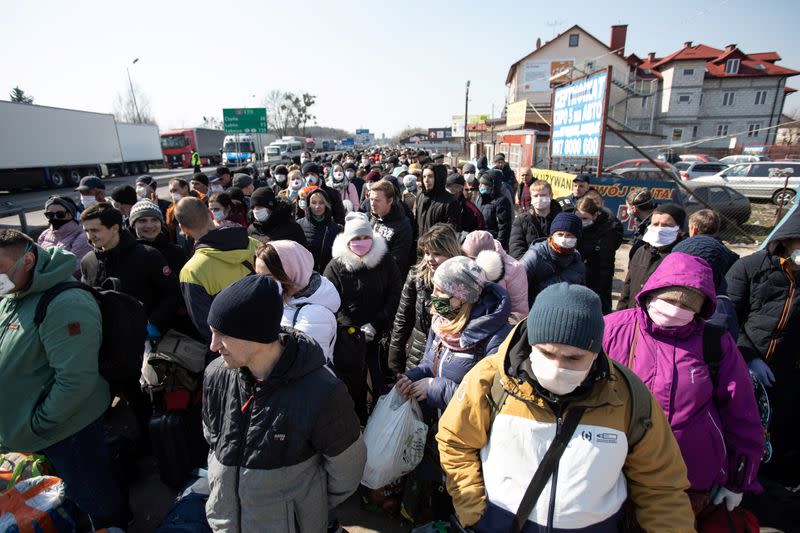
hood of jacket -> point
(229, 245)
(497, 183)
(789, 229)
(320, 291)
(53, 265)
(683, 270)
(351, 261)
(328, 210)
(439, 181)
(488, 315)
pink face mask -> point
(361, 247)
(667, 315)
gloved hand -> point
(419, 390)
(763, 372)
(153, 333)
(732, 499)
(369, 332)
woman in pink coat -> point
(500, 268)
(715, 419)
(337, 180)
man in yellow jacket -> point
(550, 364)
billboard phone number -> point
(576, 146)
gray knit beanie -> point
(144, 208)
(461, 278)
(566, 314)
(356, 225)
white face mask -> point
(338, 176)
(659, 236)
(586, 222)
(565, 242)
(350, 174)
(176, 197)
(557, 380)
(6, 285)
(88, 201)
(540, 202)
(261, 214)
(301, 204)
(303, 160)
(312, 179)
(280, 177)
(469, 177)
(795, 257)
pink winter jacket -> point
(718, 430)
(69, 237)
(508, 273)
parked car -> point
(688, 170)
(645, 173)
(764, 180)
(698, 157)
(726, 201)
(637, 163)
(734, 159)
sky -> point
(379, 65)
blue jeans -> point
(82, 461)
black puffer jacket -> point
(396, 229)
(320, 235)
(598, 247)
(369, 286)
(767, 301)
(175, 255)
(496, 209)
(279, 226)
(528, 227)
(437, 205)
(144, 274)
(636, 239)
(645, 261)
(413, 319)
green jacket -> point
(195, 158)
(48, 375)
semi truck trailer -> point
(177, 146)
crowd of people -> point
(317, 285)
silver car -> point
(762, 180)
(690, 170)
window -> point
(761, 97)
(684, 98)
(718, 195)
(688, 72)
(573, 39)
(694, 132)
(722, 129)
(732, 66)
(752, 130)
(727, 98)
(701, 98)
(677, 133)
(590, 66)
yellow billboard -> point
(515, 113)
(561, 182)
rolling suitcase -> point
(178, 444)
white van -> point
(283, 150)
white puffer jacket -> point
(314, 313)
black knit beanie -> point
(249, 309)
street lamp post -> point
(133, 93)
(466, 116)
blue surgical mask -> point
(483, 189)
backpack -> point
(639, 422)
(124, 327)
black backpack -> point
(124, 327)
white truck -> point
(52, 147)
(285, 149)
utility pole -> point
(466, 117)
(133, 94)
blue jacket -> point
(545, 267)
(486, 330)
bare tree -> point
(279, 114)
(301, 110)
(212, 122)
(18, 95)
(133, 106)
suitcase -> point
(178, 444)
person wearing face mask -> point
(663, 233)
(550, 368)
(494, 206)
(295, 183)
(639, 204)
(470, 216)
(271, 218)
(92, 190)
(361, 269)
(339, 181)
(64, 231)
(555, 259)
(312, 173)
(222, 210)
(413, 319)
(351, 173)
(535, 222)
(63, 419)
(763, 289)
(715, 418)
(500, 268)
(319, 228)
(470, 181)
(410, 191)
(146, 187)
(598, 247)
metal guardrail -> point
(9, 210)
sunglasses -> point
(58, 215)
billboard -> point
(362, 132)
(439, 134)
(474, 124)
(515, 113)
(579, 112)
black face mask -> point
(58, 223)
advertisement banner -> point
(475, 123)
(515, 114)
(439, 134)
(535, 76)
(578, 117)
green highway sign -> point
(245, 120)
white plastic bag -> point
(395, 438)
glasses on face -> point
(58, 215)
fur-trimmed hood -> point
(351, 261)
